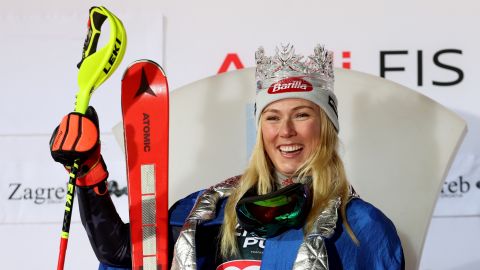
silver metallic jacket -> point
(312, 253)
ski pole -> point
(94, 68)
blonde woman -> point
(292, 208)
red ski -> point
(145, 123)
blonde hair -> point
(324, 166)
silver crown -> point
(286, 63)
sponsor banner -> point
(33, 186)
(461, 190)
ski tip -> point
(143, 62)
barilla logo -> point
(287, 85)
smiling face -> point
(290, 130)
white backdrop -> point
(427, 42)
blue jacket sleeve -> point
(379, 247)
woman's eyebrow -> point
(293, 109)
(302, 107)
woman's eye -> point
(271, 118)
(302, 115)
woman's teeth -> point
(290, 148)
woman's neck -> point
(282, 180)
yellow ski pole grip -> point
(97, 65)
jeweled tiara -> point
(286, 63)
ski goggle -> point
(271, 214)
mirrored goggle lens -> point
(276, 209)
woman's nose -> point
(287, 129)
